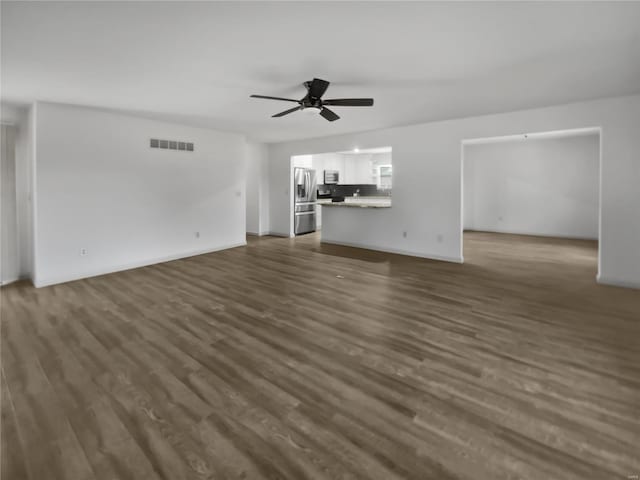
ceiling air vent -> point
(171, 145)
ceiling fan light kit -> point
(313, 102)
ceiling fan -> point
(313, 100)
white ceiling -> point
(198, 62)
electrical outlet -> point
(440, 238)
(404, 234)
(197, 234)
(84, 252)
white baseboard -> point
(529, 234)
(397, 251)
(614, 282)
(277, 234)
(11, 280)
(267, 233)
(259, 234)
(144, 263)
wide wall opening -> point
(533, 200)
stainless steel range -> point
(305, 188)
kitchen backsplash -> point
(366, 190)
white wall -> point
(544, 186)
(98, 186)
(257, 189)
(9, 251)
(17, 218)
(427, 179)
(10, 114)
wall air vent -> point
(171, 145)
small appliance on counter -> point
(324, 191)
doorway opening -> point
(9, 246)
(533, 200)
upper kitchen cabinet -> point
(357, 169)
(367, 167)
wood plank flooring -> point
(288, 359)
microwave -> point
(331, 177)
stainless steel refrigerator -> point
(305, 190)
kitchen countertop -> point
(358, 202)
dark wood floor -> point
(291, 359)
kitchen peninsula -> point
(351, 222)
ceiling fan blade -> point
(317, 87)
(329, 115)
(275, 98)
(349, 102)
(286, 112)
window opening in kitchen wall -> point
(357, 177)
